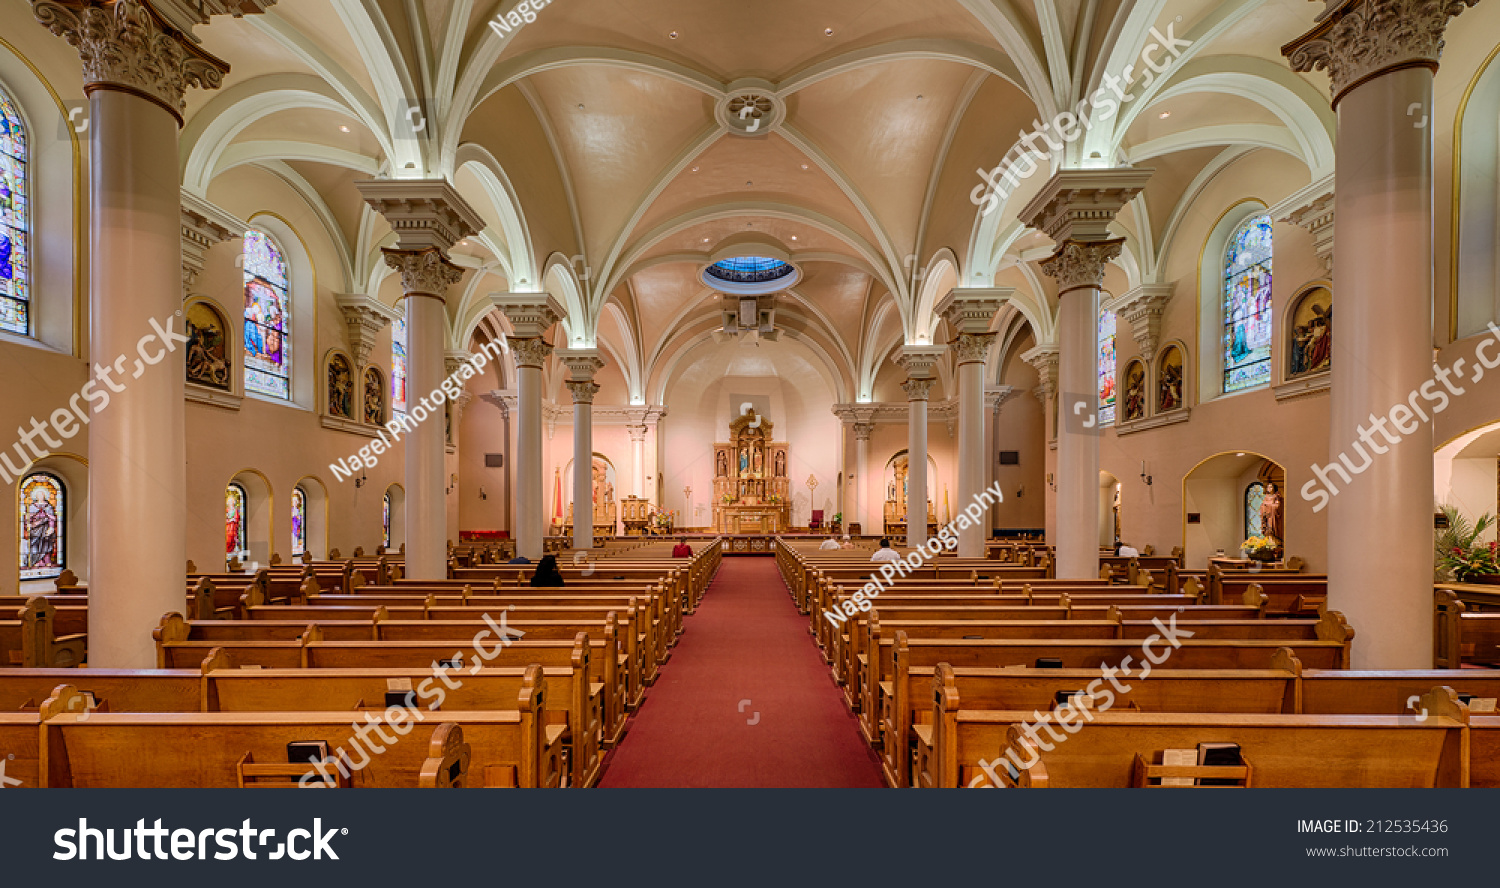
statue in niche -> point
(890, 491)
(1270, 513)
(1135, 392)
(1312, 336)
(1169, 388)
(340, 388)
(721, 465)
(781, 464)
(744, 460)
(757, 461)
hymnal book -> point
(1219, 754)
(398, 684)
(306, 752)
(1178, 758)
(1482, 704)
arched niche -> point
(315, 497)
(260, 520)
(72, 471)
(1135, 391)
(1215, 491)
(393, 521)
(1110, 532)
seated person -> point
(519, 559)
(885, 552)
(846, 544)
(682, 550)
(829, 543)
(1127, 552)
(547, 573)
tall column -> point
(918, 361)
(969, 313)
(1381, 56)
(1076, 208)
(583, 364)
(428, 217)
(136, 69)
(994, 398)
(531, 315)
(637, 460)
(862, 432)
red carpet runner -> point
(745, 643)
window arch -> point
(235, 517)
(398, 364)
(1106, 367)
(43, 516)
(299, 522)
(1255, 494)
(15, 204)
(1247, 306)
(268, 346)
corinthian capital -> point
(1356, 40)
(1081, 263)
(530, 352)
(972, 348)
(583, 390)
(424, 271)
(126, 45)
(916, 388)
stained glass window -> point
(398, 365)
(268, 347)
(43, 526)
(15, 270)
(386, 520)
(1247, 306)
(299, 522)
(1106, 367)
(234, 522)
(1255, 494)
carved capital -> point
(1356, 40)
(454, 361)
(582, 363)
(637, 434)
(1081, 263)
(862, 430)
(203, 226)
(127, 45)
(530, 352)
(972, 348)
(583, 390)
(427, 272)
(995, 398)
(919, 360)
(1143, 308)
(916, 388)
(1311, 208)
(366, 317)
(1044, 359)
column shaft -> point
(137, 480)
(583, 475)
(1384, 206)
(426, 496)
(1078, 436)
(916, 475)
(971, 456)
(862, 480)
(528, 465)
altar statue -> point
(721, 466)
(744, 460)
(780, 464)
(1270, 513)
(758, 465)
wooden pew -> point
(1122, 748)
(218, 750)
(1290, 594)
(31, 639)
(121, 690)
(1461, 635)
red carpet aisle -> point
(746, 642)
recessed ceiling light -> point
(1164, 115)
(794, 237)
(343, 129)
(919, 98)
(705, 240)
(1239, 454)
(673, 35)
(748, 183)
(827, 32)
(580, 106)
(695, 169)
(804, 166)
(463, 243)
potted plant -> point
(1261, 548)
(836, 521)
(1458, 554)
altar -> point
(750, 479)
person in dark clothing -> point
(547, 573)
(519, 559)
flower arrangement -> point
(1261, 548)
(728, 498)
(838, 518)
(1458, 553)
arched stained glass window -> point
(1255, 494)
(1247, 306)
(43, 520)
(268, 346)
(234, 522)
(15, 202)
(398, 365)
(1106, 367)
(386, 520)
(299, 522)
